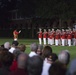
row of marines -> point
(57, 37)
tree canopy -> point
(63, 9)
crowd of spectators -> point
(40, 61)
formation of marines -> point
(57, 37)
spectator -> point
(22, 65)
(4, 50)
(39, 50)
(72, 68)
(14, 65)
(2, 45)
(48, 62)
(1, 51)
(52, 58)
(46, 51)
(64, 57)
(16, 53)
(45, 55)
(7, 45)
(6, 61)
(34, 48)
(15, 43)
(57, 68)
(35, 65)
(14, 46)
(22, 47)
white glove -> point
(20, 31)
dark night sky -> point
(26, 6)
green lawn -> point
(27, 42)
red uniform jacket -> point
(45, 35)
(40, 35)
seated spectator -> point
(22, 47)
(34, 48)
(14, 46)
(35, 65)
(6, 61)
(22, 65)
(64, 57)
(57, 68)
(39, 50)
(7, 45)
(14, 65)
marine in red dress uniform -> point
(75, 38)
(44, 36)
(40, 36)
(15, 34)
(63, 37)
(57, 37)
(69, 37)
(53, 36)
(49, 31)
